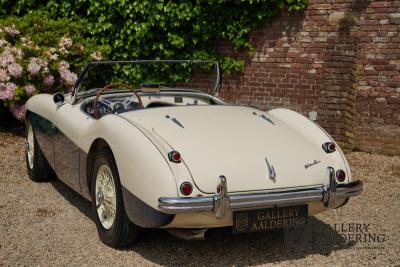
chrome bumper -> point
(221, 202)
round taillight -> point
(340, 175)
(331, 147)
(186, 188)
(174, 156)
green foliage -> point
(162, 29)
(167, 74)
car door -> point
(66, 151)
(44, 131)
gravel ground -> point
(48, 224)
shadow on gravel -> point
(222, 248)
(79, 202)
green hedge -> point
(161, 29)
(117, 29)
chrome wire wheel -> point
(106, 202)
(30, 147)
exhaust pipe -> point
(188, 234)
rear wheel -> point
(37, 165)
(113, 225)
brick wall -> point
(339, 58)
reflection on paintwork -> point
(44, 132)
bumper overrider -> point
(222, 202)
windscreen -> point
(175, 74)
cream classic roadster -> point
(155, 155)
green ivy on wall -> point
(161, 29)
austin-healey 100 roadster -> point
(158, 148)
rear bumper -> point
(222, 202)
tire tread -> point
(124, 232)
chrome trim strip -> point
(222, 202)
(183, 205)
(271, 171)
(177, 122)
(331, 189)
(271, 199)
(221, 199)
(349, 190)
(267, 119)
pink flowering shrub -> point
(18, 111)
(40, 57)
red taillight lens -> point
(186, 188)
(332, 147)
(174, 156)
(340, 175)
(329, 147)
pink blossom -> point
(4, 76)
(65, 74)
(71, 79)
(7, 91)
(18, 111)
(6, 58)
(30, 89)
(53, 57)
(63, 51)
(15, 70)
(15, 51)
(48, 80)
(35, 65)
(63, 64)
(11, 30)
(68, 76)
(65, 42)
(3, 42)
(27, 42)
(96, 55)
(51, 53)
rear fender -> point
(315, 133)
(143, 171)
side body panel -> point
(66, 159)
(45, 132)
(143, 171)
(60, 151)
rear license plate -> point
(269, 219)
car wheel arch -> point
(91, 157)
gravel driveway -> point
(48, 224)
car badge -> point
(308, 165)
(271, 170)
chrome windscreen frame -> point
(217, 87)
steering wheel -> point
(95, 112)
